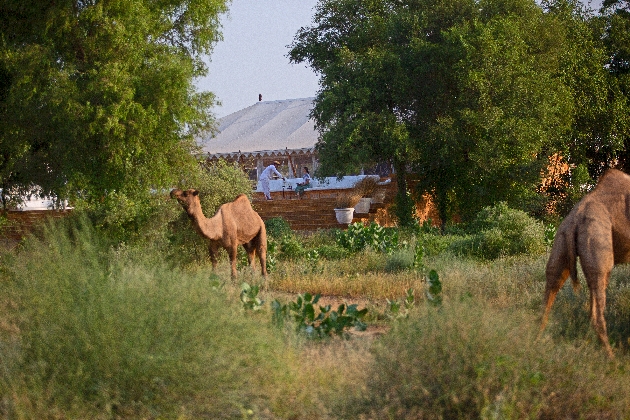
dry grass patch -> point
(360, 275)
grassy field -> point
(89, 329)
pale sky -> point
(252, 59)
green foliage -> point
(468, 98)
(91, 330)
(249, 297)
(434, 288)
(291, 248)
(4, 222)
(158, 220)
(404, 207)
(434, 243)
(399, 260)
(272, 251)
(550, 235)
(332, 251)
(400, 310)
(97, 333)
(576, 184)
(98, 101)
(596, 75)
(500, 231)
(277, 227)
(325, 324)
(418, 256)
(359, 237)
(466, 360)
(313, 262)
(219, 182)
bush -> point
(291, 248)
(152, 217)
(277, 227)
(400, 260)
(365, 187)
(217, 183)
(465, 360)
(500, 231)
(96, 335)
(435, 244)
(359, 237)
(332, 252)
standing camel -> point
(234, 224)
(598, 231)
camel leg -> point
(250, 249)
(261, 250)
(555, 281)
(232, 250)
(212, 251)
(597, 286)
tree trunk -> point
(404, 202)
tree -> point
(357, 109)
(500, 108)
(612, 28)
(97, 100)
(463, 94)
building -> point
(264, 132)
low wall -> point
(328, 183)
(21, 223)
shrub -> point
(347, 200)
(400, 260)
(277, 227)
(97, 335)
(435, 243)
(465, 360)
(302, 313)
(144, 216)
(365, 187)
(332, 252)
(500, 231)
(359, 237)
(291, 248)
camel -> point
(234, 224)
(598, 231)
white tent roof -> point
(265, 129)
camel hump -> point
(614, 181)
(242, 200)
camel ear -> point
(195, 192)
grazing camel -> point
(598, 231)
(234, 224)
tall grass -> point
(91, 334)
(469, 360)
(93, 330)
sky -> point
(252, 58)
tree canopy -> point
(97, 97)
(467, 98)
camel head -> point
(185, 197)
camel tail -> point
(563, 258)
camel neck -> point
(207, 227)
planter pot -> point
(363, 206)
(344, 216)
